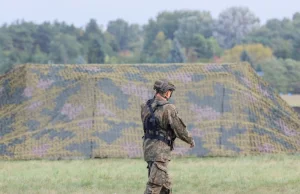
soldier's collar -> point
(160, 98)
(160, 102)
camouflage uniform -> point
(157, 153)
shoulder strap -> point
(151, 109)
(149, 103)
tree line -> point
(171, 37)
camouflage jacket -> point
(156, 150)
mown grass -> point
(255, 174)
(292, 100)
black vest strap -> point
(160, 137)
(151, 126)
(151, 110)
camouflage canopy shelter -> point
(89, 111)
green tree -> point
(38, 56)
(95, 52)
(293, 75)
(176, 53)
(161, 48)
(206, 48)
(255, 53)
(190, 31)
(283, 74)
(233, 25)
(275, 74)
(215, 47)
(43, 36)
(120, 30)
(92, 29)
(64, 49)
(192, 25)
(125, 35)
(171, 22)
(282, 48)
(281, 35)
(296, 36)
(5, 63)
(245, 57)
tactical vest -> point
(152, 128)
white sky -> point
(79, 12)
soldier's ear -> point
(169, 93)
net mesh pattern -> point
(91, 111)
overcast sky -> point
(79, 12)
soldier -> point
(161, 126)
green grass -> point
(256, 174)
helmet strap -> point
(171, 94)
(165, 97)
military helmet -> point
(163, 85)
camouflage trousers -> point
(158, 178)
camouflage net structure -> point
(91, 111)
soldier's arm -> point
(178, 126)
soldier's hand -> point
(192, 144)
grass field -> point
(253, 174)
(292, 100)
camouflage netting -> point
(89, 111)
